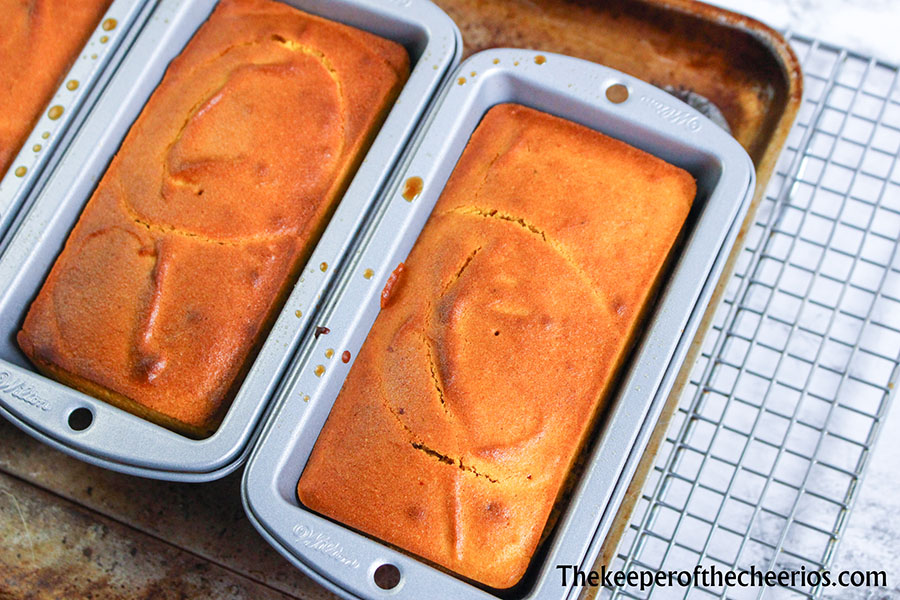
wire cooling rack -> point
(763, 460)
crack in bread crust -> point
(462, 268)
(164, 230)
(454, 462)
(416, 441)
(420, 446)
(495, 214)
(433, 371)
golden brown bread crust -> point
(475, 388)
(39, 41)
(193, 236)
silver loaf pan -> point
(345, 561)
(109, 40)
(117, 439)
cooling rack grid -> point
(764, 457)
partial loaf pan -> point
(57, 413)
(641, 115)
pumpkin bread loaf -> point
(476, 388)
(195, 234)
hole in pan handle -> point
(617, 93)
(387, 576)
(80, 419)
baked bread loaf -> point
(472, 395)
(39, 41)
(197, 230)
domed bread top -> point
(196, 232)
(477, 386)
(39, 42)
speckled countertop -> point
(871, 27)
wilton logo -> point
(322, 543)
(673, 115)
(21, 391)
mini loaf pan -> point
(346, 561)
(99, 433)
(87, 75)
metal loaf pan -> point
(345, 561)
(117, 439)
(111, 38)
(715, 58)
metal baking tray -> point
(117, 439)
(110, 38)
(345, 561)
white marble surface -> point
(872, 537)
(870, 27)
